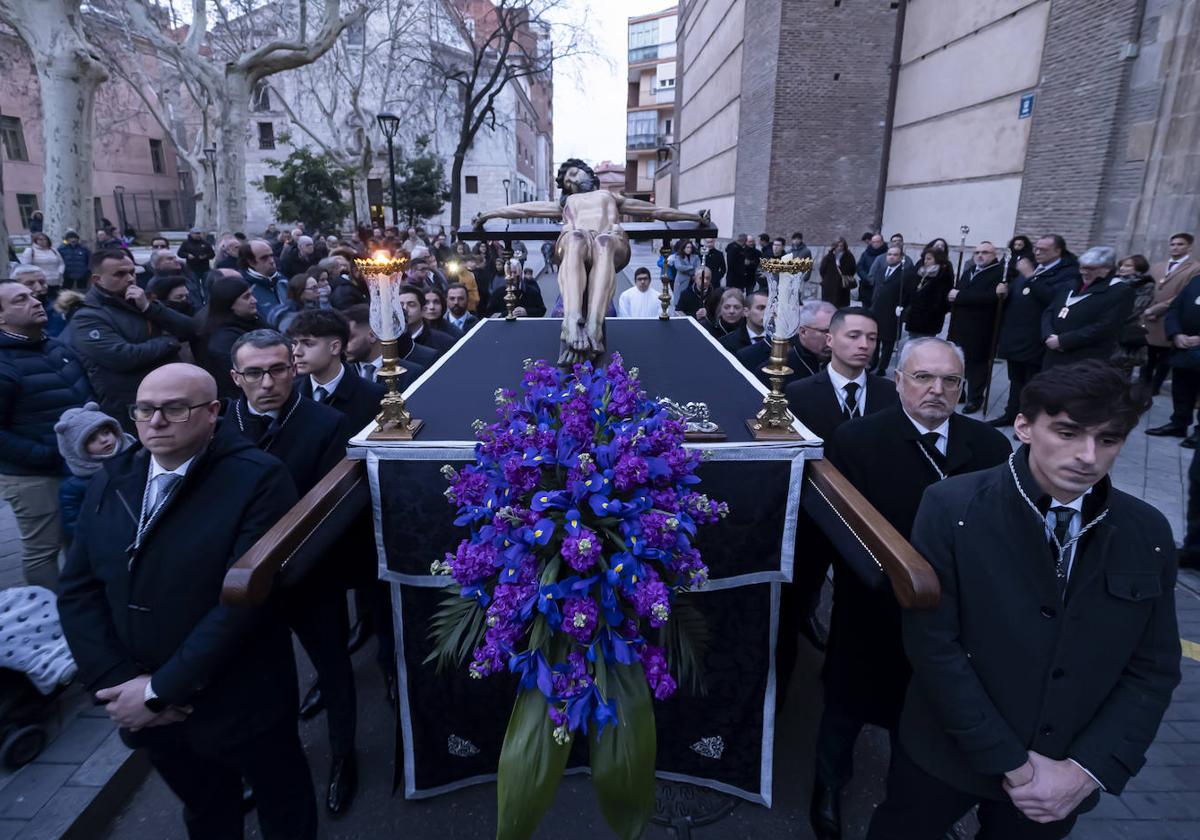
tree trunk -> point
(68, 78)
(231, 155)
(456, 189)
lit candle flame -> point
(381, 256)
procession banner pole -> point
(987, 384)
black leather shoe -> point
(359, 633)
(812, 629)
(826, 812)
(971, 408)
(998, 422)
(1191, 442)
(248, 801)
(1169, 430)
(313, 703)
(343, 784)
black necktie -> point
(320, 394)
(367, 371)
(930, 441)
(759, 339)
(1062, 534)
(850, 407)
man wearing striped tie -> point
(207, 689)
(1042, 675)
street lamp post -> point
(506, 183)
(119, 194)
(210, 152)
(389, 124)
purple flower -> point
(651, 599)
(654, 663)
(579, 618)
(630, 472)
(581, 552)
(659, 529)
(472, 562)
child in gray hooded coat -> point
(87, 437)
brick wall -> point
(1077, 130)
(831, 99)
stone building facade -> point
(921, 116)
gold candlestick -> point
(664, 296)
(394, 422)
(774, 420)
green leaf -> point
(531, 766)
(623, 757)
(456, 630)
(685, 639)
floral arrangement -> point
(582, 506)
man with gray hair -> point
(890, 457)
(299, 258)
(809, 352)
(1084, 319)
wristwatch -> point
(153, 702)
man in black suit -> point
(365, 351)
(1084, 321)
(822, 402)
(1021, 342)
(209, 690)
(974, 304)
(752, 331)
(714, 258)
(809, 349)
(890, 276)
(1042, 675)
(735, 262)
(890, 457)
(310, 439)
(319, 337)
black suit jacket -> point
(815, 404)
(889, 291)
(1021, 338)
(803, 363)
(1002, 666)
(354, 397)
(435, 340)
(157, 609)
(310, 438)
(1092, 326)
(529, 296)
(880, 454)
(973, 313)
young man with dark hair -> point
(319, 339)
(365, 350)
(1042, 675)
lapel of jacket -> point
(877, 392)
(958, 445)
(130, 486)
(1027, 530)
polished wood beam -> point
(912, 578)
(301, 537)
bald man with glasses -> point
(973, 302)
(207, 689)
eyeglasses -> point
(256, 374)
(172, 412)
(926, 380)
(814, 329)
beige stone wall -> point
(958, 145)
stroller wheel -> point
(22, 746)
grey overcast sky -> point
(589, 93)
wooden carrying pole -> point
(311, 528)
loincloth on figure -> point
(618, 245)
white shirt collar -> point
(272, 414)
(943, 432)
(1047, 266)
(420, 329)
(1075, 504)
(840, 382)
(750, 331)
(332, 384)
(458, 322)
(157, 469)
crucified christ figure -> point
(590, 251)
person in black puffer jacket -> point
(39, 379)
(121, 335)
